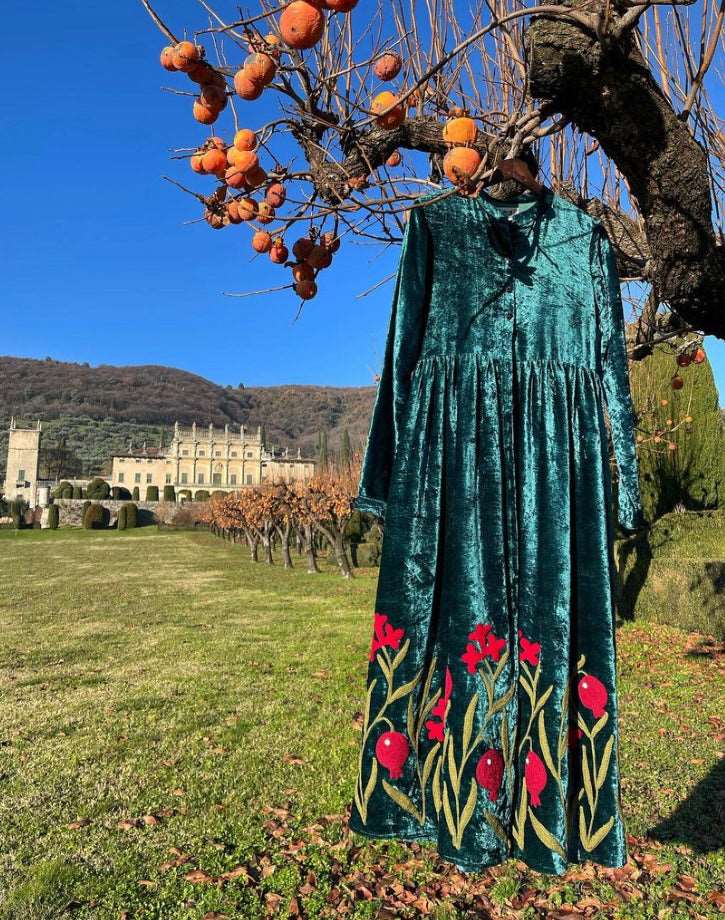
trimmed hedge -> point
(201, 496)
(218, 493)
(98, 489)
(169, 494)
(63, 490)
(17, 513)
(152, 493)
(136, 494)
(95, 517)
(77, 492)
(131, 515)
(53, 517)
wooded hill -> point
(100, 409)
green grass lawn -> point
(179, 732)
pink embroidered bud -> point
(489, 772)
(392, 751)
(536, 776)
(593, 694)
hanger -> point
(518, 170)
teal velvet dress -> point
(490, 711)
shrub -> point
(185, 495)
(136, 494)
(86, 506)
(152, 493)
(77, 492)
(53, 517)
(121, 519)
(61, 489)
(201, 496)
(95, 517)
(368, 554)
(98, 489)
(169, 494)
(17, 513)
(218, 493)
(131, 515)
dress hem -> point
(479, 867)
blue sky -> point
(99, 265)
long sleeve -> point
(403, 344)
(613, 353)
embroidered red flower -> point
(488, 647)
(435, 728)
(529, 650)
(392, 751)
(593, 695)
(489, 772)
(384, 634)
(536, 776)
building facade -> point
(208, 459)
(21, 470)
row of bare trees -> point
(305, 511)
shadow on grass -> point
(697, 821)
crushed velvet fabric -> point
(490, 717)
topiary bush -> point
(98, 489)
(201, 496)
(121, 519)
(17, 513)
(95, 517)
(136, 494)
(152, 493)
(131, 515)
(218, 493)
(77, 492)
(53, 517)
(61, 490)
(169, 494)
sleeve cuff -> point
(372, 505)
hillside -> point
(98, 410)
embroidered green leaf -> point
(401, 799)
(505, 746)
(599, 725)
(371, 780)
(604, 763)
(501, 665)
(410, 720)
(541, 702)
(449, 814)
(583, 834)
(587, 779)
(403, 651)
(425, 712)
(496, 826)
(488, 685)
(545, 835)
(455, 783)
(599, 835)
(583, 725)
(404, 689)
(527, 687)
(563, 725)
(502, 701)
(468, 809)
(468, 724)
(519, 830)
(437, 785)
(544, 742)
(428, 765)
(385, 669)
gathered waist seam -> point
(504, 361)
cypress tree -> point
(682, 456)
